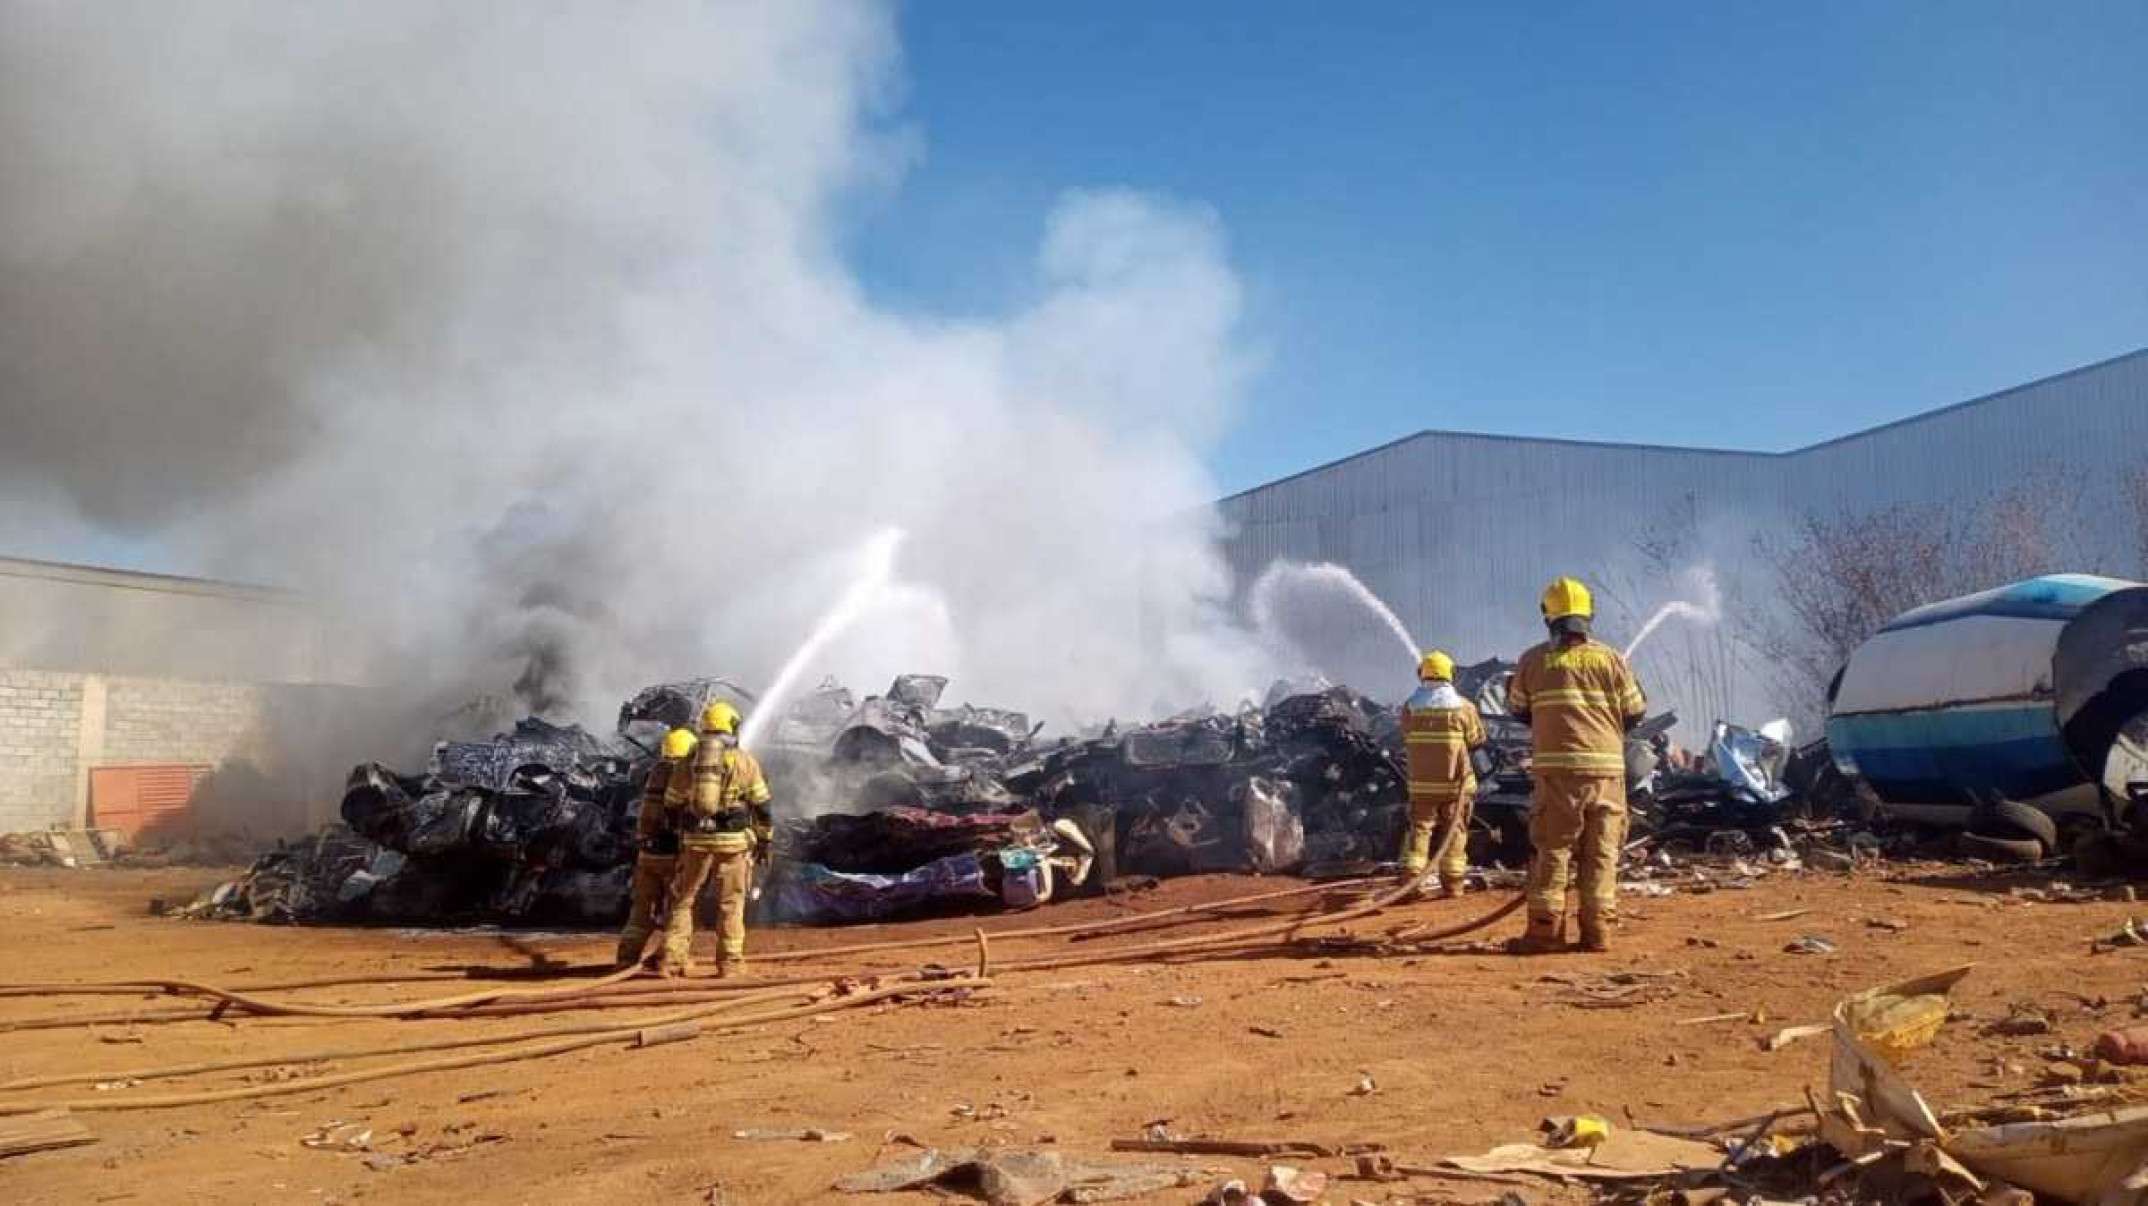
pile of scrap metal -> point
(532, 825)
(1312, 778)
(887, 805)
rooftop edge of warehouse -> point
(1698, 449)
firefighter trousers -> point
(1427, 817)
(729, 861)
(1577, 825)
(652, 881)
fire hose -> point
(1076, 932)
(667, 1027)
(647, 1032)
(332, 1054)
(610, 992)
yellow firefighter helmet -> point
(720, 717)
(1436, 666)
(678, 743)
(1568, 597)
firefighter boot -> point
(1541, 938)
(1595, 934)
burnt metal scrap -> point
(1314, 776)
(894, 803)
(533, 824)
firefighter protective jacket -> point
(1579, 699)
(1439, 728)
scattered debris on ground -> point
(1018, 1176)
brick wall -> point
(40, 730)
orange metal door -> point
(133, 798)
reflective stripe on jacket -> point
(724, 779)
(1579, 699)
(651, 818)
(1439, 728)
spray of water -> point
(876, 570)
(1707, 610)
(1285, 577)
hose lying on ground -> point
(1424, 932)
(1419, 933)
(268, 1008)
(243, 997)
(635, 1032)
(1072, 931)
(611, 992)
(341, 1053)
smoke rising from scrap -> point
(521, 337)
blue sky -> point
(1739, 224)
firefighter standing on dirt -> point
(721, 809)
(1579, 698)
(1439, 729)
(656, 842)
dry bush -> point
(1838, 578)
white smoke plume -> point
(520, 334)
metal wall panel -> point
(1459, 532)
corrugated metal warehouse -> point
(1459, 532)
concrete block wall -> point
(56, 725)
(177, 720)
(40, 732)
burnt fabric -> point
(817, 895)
(894, 840)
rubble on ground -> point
(60, 847)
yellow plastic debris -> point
(1585, 1130)
(1893, 1026)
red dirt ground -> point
(1465, 1050)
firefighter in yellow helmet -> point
(656, 842)
(1439, 729)
(1579, 698)
(721, 809)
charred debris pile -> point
(893, 803)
